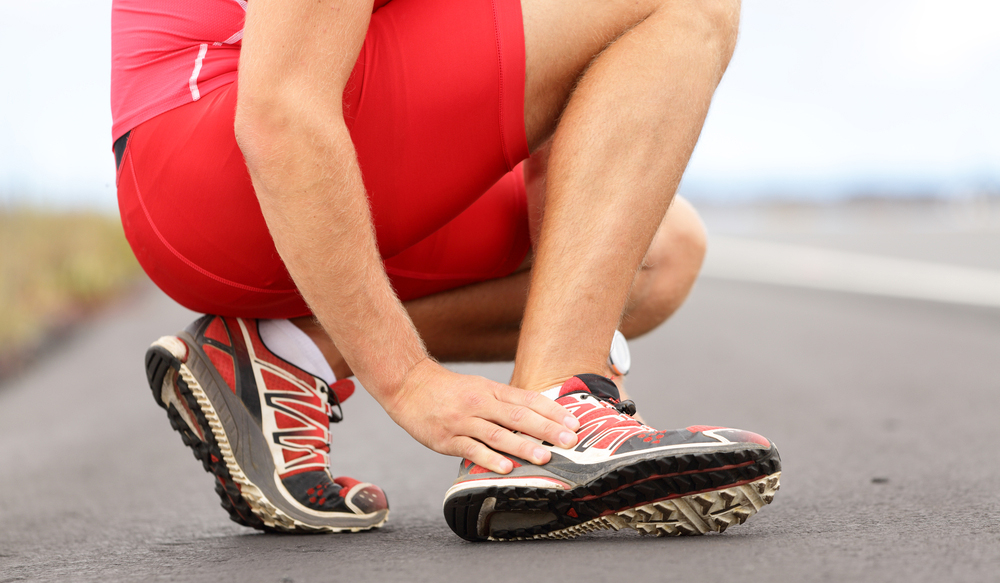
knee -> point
(719, 18)
(679, 246)
(717, 22)
(669, 270)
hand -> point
(461, 415)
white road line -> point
(742, 259)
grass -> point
(53, 268)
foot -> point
(621, 474)
(262, 426)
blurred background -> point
(838, 122)
(849, 178)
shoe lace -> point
(596, 389)
(626, 407)
(333, 409)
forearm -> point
(296, 59)
(314, 202)
(312, 196)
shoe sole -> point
(649, 496)
(252, 501)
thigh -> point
(435, 109)
(561, 38)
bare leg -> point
(623, 139)
(668, 269)
(481, 322)
(618, 153)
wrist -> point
(394, 397)
(384, 356)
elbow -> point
(260, 127)
(277, 133)
(719, 23)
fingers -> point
(528, 422)
(539, 403)
(479, 454)
(544, 406)
(479, 419)
(495, 418)
(503, 440)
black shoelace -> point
(626, 407)
(336, 414)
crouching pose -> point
(350, 188)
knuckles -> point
(529, 397)
(475, 400)
(496, 435)
(517, 414)
(468, 451)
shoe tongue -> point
(592, 383)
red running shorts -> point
(435, 106)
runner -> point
(346, 188)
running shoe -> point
(262, 426)
(620, 474)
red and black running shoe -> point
(620, 474)
(262, 426)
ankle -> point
(544, 382)
(538, 384)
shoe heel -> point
(161, 358)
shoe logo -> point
(301, 421)
(294, 414)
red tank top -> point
(167, 53)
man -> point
(353, 204)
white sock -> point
(552, 393)
(286, 340)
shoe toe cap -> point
(731, 435)
(363, 497)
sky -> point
(822, 99)
(829, 97)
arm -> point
(296, 58)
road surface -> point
(885, 410)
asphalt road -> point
(885, 412)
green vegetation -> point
(54, 267)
